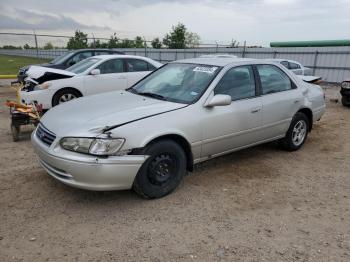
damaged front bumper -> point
(87, 171)
(38, 97)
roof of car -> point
(94, 49)
(216, 61)
(120, 56)
(280, 60)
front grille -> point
(45, 135)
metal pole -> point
(274, 54)
(217, 46)
(243, 52)
(93, 37)
(315, 62)
(36, 45)
(145, 43)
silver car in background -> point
(294, 66)
(186, 112)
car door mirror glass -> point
(219, 100)
(95, 72)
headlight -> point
(93, 146)
(42, 86)
(345, 85)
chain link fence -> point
(331, 63)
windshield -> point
(83, 65)
(181, 83)
(60, 59)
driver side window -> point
(111, 66)
(79, 57)
(238, 83)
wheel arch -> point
(308, 112)
(182, 141)
(64, 89)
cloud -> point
(257, 21)
(27, 20)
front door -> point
(231, 127)
(112, 77)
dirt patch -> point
(254, 205)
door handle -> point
(255, 110)
(296, 101)
(122, 77)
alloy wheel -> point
(299, 132)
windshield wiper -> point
(153, 95)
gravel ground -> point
(259, 204)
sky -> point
(256, 21)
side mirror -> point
(219, 100)
(95, 72)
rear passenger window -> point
(136, 65)
(273, 79)
(238, 83)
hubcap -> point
(66, 98)
(299, 132)
(162, 168)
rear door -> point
(112, 77)
(230, 127)
(136, 70)
(280, 100)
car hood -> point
(88, 116)
(40, 74)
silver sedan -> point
(186, 112)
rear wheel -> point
(64, 95)
(297, 132)
(163, 170)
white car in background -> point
(293, 66)
(50, 87)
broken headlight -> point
(94, 146)
(43, 86)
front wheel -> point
(344, 101)
(297, 132)
(64, 95)
(163, 170)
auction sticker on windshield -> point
(205, 69)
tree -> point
(11, 47)
(48, 46)
(113, 41)
(139, 42)
(78, 41)
(180, 37)
(234, 43)
(156, 43)
(126, 43)
(176, 38)
(26, 46)
(192, 39)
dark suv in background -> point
(68, 59)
